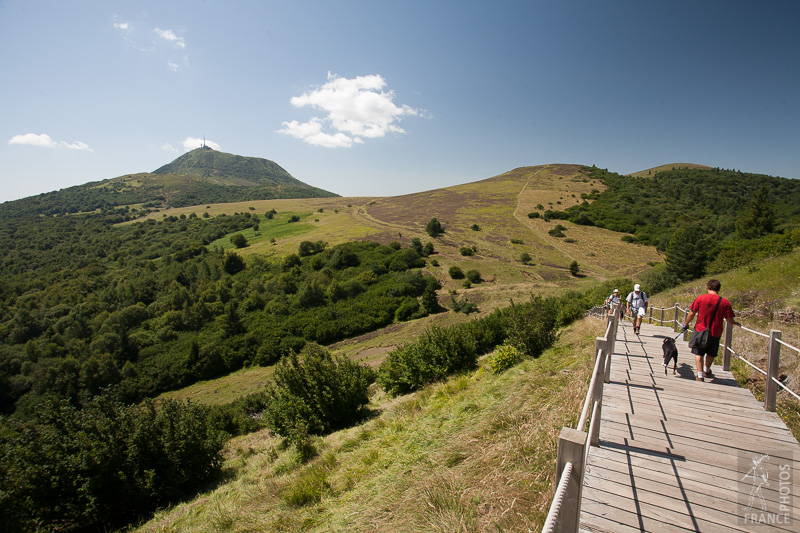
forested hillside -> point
(149, 307)
(722, 203)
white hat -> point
(616, 290)
(637, 287)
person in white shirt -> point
(637, 301)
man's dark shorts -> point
(711, 349)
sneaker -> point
(699, 379)
(709, 374)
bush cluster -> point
(503, 358)
(108, 462)
(315, 392)
(529, 328)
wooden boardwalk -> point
(676, 454)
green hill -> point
(229, 169)
(202, 176)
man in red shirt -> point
(704, 306)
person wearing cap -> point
(637, 300)
(613, 300)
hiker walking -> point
(710, 309)
(637, 301)
(612, 300)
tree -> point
(759, 218)
(574, 268)
(233, 263)
(687, 253)
(429, 300)
(239, 240)
(434, 228)
(456, 272)
(473, 276)
(525, 257)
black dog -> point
(670, 352)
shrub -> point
(660, 278)
(475, 227)
(531, 327)
(474, 276)
(456, 272)
(408, 310)
(294, 218)
(574, 268)
(239, 240)
(517, 241)
(525, 257)
(503, 358)
(534, 214)
(466, 251)
(307, 248)
(557, 231)
(436, 354)
(628, 238)
(434, 228)
(463, 306)
(315, 393)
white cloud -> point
(172, 66)
(169, 148)
(124, 26)
(355, 108)
(45, 141)
(190, 143)
(169, 35)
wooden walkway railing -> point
(667, 453)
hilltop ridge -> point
(228, 169)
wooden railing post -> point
(675, 321)
(726, 347)
(650, 314)
(609, 349)
(661, 322)
(571, 449)
(773, 360)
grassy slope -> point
(499, 205)
(474, 453)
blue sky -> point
(380, 98)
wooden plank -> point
(703, 442)
(683, 426)
(726, 497)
